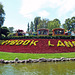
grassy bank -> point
(23, 56)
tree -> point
(11, 29)
(28, 28)
(32, 26)
(69, 24)
(53, 24)
(73, 23)
(65, 27)
(36, 22)
(2, 16)
(45, 23)
(5, 31)
(57, 20)
(42, 24)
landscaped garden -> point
(36, 48)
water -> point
(48, 68)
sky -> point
(21, 12)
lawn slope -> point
(23, 56)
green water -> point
(48, 68)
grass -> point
(23, 56)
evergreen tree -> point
(32, 26)
(28, 28)
(2, 16)
(36, 22)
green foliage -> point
(69, 24)
(2, 35)
(2, 17)
(36, 22)
(28, 28)
(5, 31)
(34, 33)
(11, 29)
(44, 23)
(39, 37)
(2, 14)
(31, 27)
(11, 34)
(53, 24)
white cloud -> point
(54, 3)
(31, 8)
(73, 14)
(66, 7)
(43, 14)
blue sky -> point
(20, 12)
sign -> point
(38, 45)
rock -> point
(67, 59)
(54, 60)
(12, 61)
(18, 62)
(29, 61)
(62, 58)
(23, 61)
(73, 59)
(42, 60)
(49, 60)
(6, 62)
(16, 59)
(58, 60)
(2, 61)
(35, 60)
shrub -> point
(38, 37)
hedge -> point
(38, 37)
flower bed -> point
(38, 46)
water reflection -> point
(55, 68)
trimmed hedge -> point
(38, 37)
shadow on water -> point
(48, 68)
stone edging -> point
(36, 60)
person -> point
(73, 33)
(69, 32)
(55, 32)
(39, 32)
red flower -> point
(40, 46)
